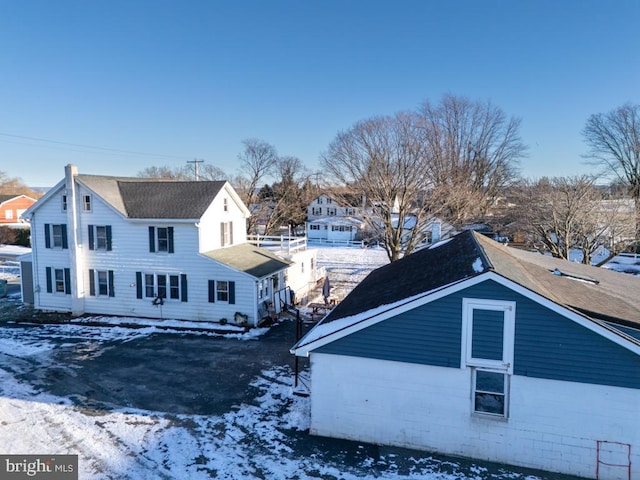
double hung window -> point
(489, 338)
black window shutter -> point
(67, 281)
(112, 292)
(170, 235)
(47, 235)
(49, 282)
(139, 284)
(91, 244)
(108, 229)
(152, 239)
(212, 291)
(92, 283)
(183, 287)
(232, 292)
(65, 241)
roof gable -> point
(469, 257)
(425, 270)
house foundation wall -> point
(552, 425)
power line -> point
(94, 147)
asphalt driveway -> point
(177, 373)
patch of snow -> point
(477, 265)
(440, 243)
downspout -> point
(255, 304)
(34, 263)
(75, 248)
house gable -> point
(547, 344)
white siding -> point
(130, 254)
(50, 213)
(216, 214)
(302, 275)
(552, 426)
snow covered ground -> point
(265, 437)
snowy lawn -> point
(263, 437)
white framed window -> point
(57, 232)
(103, 282)
(488, 329)
(331, 211)
(314, 227)
(222, 291)
(225, 205)
(8, 214)
(86, 203)
(63, 203)
(149, 285)
(59, 280)
(161, 239)
(162, 285)
(101, 237)
(490, 392)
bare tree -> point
(614, 143)
(290, 197)
(186, 172)
(473, 151)
(384, 159)
(165, 172)
(15, 186)
(257, 161)
(570, 213)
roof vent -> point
(573, 276)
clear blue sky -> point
(192, 79)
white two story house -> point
(153, 248)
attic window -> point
(225, 205)
(573, 276)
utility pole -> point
(196, 162)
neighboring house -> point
(326, 205)
(476, 349)
(150, 248)
(12, 207)
(335, 229)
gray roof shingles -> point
(154, 198)
(255, 261)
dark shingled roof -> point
(596, 292)
(168, 199)
(255, 261)
(154, 198)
